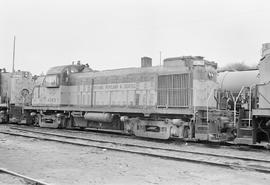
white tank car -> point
(234, 80)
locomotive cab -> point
(49, 92)
(60, 76)
(52, 91)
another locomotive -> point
(248, 95)
(15, 92)
(255, 127)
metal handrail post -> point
(235, 100)
(249, 107)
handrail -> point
(235, 101)
(207, 104)
(249, 109)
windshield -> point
(52, 81)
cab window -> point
(52, 81)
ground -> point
(57, 163)
(6, 179)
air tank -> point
(234, 80)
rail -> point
(157, 152)
(29, 179)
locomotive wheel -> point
(234, 132)
(186, 132)
(36, 120)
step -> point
(246, 119)
(244, 140)
(246, 128)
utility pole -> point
(160, 58)
(14, 42)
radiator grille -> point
(173, 90)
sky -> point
(110, 34)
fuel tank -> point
(99, 117)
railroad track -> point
(227, 161)
(27, 180)
(136, 145)
(98, 132)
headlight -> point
(59, 115)
(33, 114)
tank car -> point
(233, 88)
(172, 100)
(233, 81)
(234, 93)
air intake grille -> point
(173, 90)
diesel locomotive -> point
(176, 99)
